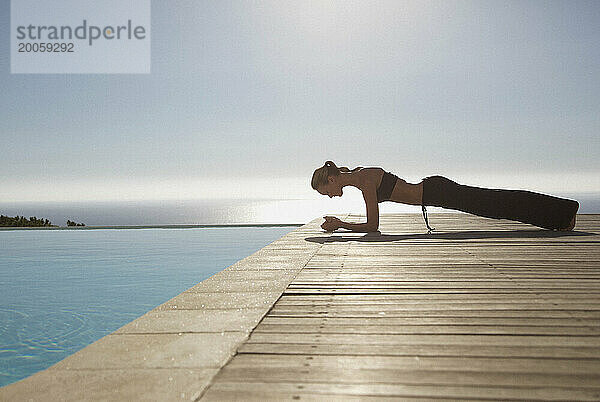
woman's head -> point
(325, 179)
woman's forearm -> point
(359, 227)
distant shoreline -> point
(234, 225)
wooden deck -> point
(480, 309)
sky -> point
(246, 98)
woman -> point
(378, 185)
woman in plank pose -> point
(378, 185)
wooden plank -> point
(420, 276)
(323, 349)
(453, 363)
(326, 328)
(541, 306)
(392, 339)
(455, 298)
(540, 290)
(395, 321)
(591, 315)
(331, 392)
(400, 300)
(491, 284)
(353, 375)
(534, 305)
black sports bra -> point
(384, 191)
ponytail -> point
(341, 168)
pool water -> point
(61, 290)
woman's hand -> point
(331, 223)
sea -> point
(224, 211)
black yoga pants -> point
(541, 210)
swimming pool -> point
(64, 289)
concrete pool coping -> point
(174, 350)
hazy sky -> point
(247, 98)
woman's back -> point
(401, 191)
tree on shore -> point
(72, 223)
(21, 221)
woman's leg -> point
(538, 209)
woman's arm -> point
(358, 227)
(372, 224)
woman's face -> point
(332, 188)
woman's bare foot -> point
(571, 225)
